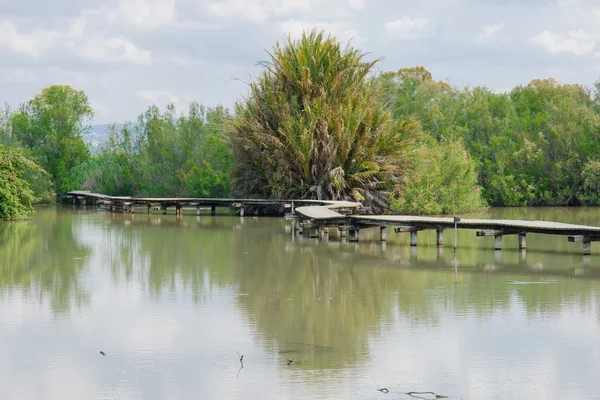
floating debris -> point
(384, 390)
(103, 353)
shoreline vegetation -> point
(320, 122)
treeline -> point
(537, 145)
(319, 123)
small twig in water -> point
(437, 396)
(241, 358)
(384, 390)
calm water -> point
(171, 302)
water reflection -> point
(172, 300)
(43, 260)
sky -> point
(128, 54)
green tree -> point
(442, 180)
(51, 126)
(313, 127)
(16, 196)
(164, 154)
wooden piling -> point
(383, 233)
(213, 210)
(439, 233)
(413, 238)
(522, 241)
(497, 242)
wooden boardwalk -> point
(318, 216)
(128, 204)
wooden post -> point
(383, 233)
(354, 235)
(413, 238)
(132, 209)
(242, 211)
(164, 209)
(314, 232)
(149, 208)
(439, 233)
(498, 242)
(178, 209)
(587, 247)
(522, 241)
(213, 210)
(198, 210)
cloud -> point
(407, 28)
(356, 4)
(32, 44)
(158, 97)
(258, 11)
(489, 32)
(146, 14)
(295, 28)
(575, 41)
(114, 49)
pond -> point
(174, 302)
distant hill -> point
(99, 134)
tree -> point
(313, 126)
(15, 195)
(51, 125)
(442, 180)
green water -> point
(171, 302)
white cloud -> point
(407, 28)
(258, 11)
(33, 44)
(356, 4)
(489, 32)
(160, 98)
(148, 14)
(113, 50)
(575, 41)
(295, 28)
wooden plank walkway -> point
(343, 214)
(127, 203)
(324, 216)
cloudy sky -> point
(127, 54)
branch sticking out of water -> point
(437, 396)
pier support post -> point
(213, 210)
(242, 211)
(440, 237)
(178, 210)
(522, 241)
(149, 209)
(314, 233)
(354, 235)
(383, 233)
(197, 210)
(164, 210)
(587, 247)
(498, 242)
(413, 238)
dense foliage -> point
(16, 196)
(51, 127)
(313, 127)
(318, 123)
(537, 145)
(164, 155)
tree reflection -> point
(42, 258)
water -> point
(172, 301)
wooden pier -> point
(127, 204)
(317, 216)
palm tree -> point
(313, 126)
